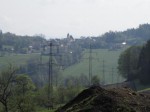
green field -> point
(102, 60)
(20, 59)
(110, 59)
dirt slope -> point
(97, 99)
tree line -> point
(111, 39)
(134, 63)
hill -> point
(97, 99)
(104, 62)
(75, 52)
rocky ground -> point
(97, 99)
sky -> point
(56, 18)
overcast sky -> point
(56, 18)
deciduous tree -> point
(7, 78)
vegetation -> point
(113, 40)
(144, 64)
(30, 64)
(110, 40)
(128, 62)
(20, 44)
(19, 93)
(6, 80)
(102, 64)
(134, 63)
(25, 89)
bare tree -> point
(7, 77)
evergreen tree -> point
(144, 64)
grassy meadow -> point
(20, 59)
(104, 64)
(102, 60)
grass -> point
(110, 59)
(140, 87)
(19, 59)
(46, 110)
(147, 89)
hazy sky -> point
(56, 18)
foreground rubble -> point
(97, 99)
